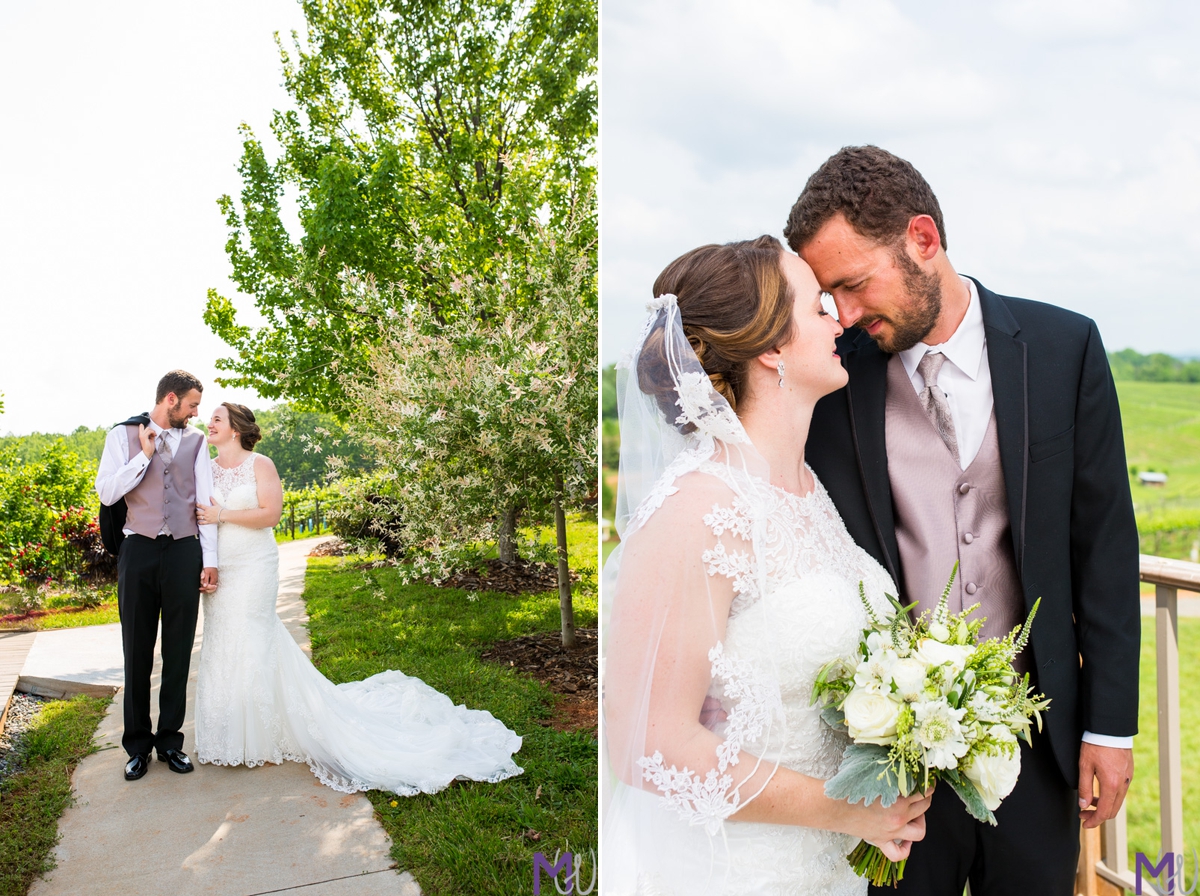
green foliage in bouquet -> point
(927, 700)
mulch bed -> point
(334, 548)
(572, 674)
(510, 578)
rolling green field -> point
(1162, 433)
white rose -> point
(994, 776)
(908, 675)
(935, 653)
(939, 631)
(871, 717)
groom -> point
(153, 472)
(982, 429)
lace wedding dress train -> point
(260, 699)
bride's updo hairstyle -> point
(241, 421)
(734, 304)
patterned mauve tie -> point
(166, 455)
(934, 401)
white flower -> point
(871, 717)
(984, 708)
(908, 676)
(939, 732)
(935, 653)
(939, 632)
(876, 669)
(994, 776)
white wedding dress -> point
(260, 699)
(672, 835)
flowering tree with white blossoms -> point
(926, 700)
(491, 412)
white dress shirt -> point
(119, 473)
(966, 380)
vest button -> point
(971, 589)
(963, 489)
(968, 538)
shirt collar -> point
(964, 349)
(169, 430)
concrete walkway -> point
(227, 831)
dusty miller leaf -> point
(865, 775)
(970, 796)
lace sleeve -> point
(667, 668)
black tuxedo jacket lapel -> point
(1008, 362)
(866, 393)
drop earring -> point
(779, 367)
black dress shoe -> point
(177, 761)
(136, 766)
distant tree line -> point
(300, 443)
(1154, 368)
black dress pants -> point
(1032, 850)
(157, 576)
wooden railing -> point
(1104, 857)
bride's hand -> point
(209, 514)
(895, 828)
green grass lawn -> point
(472, 837)
(1143, 826)
(1162, 433)
(104, 614)
(32, 800)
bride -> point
(260, 699)
(735, 582)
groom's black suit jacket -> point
(1073, 529)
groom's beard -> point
(178, 419)
(924, 293)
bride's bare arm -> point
(669, 611)
(270, 499)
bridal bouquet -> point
(926, 700)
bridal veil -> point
(690, 733)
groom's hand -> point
(1113, 768)
(146, 437)
(208, 580)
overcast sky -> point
(119, 133)
(1062, 138)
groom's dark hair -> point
(178, 381)
(879, 193)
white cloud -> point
(1065, 153)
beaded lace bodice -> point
(225, 481)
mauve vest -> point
(166, 495)
(945, 513)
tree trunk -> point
(564, 573)
(508, 536)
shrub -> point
(46, 509)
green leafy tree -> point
(417, 124)
(481, 417)
(307, 446)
